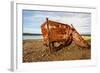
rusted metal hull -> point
(57, 35)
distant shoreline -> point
(36, 34)
(31, 34)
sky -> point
(32, 20)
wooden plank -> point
(49, 42)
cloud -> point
(33, 20)
(31, 30)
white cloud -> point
(81, 21)
(31, 30)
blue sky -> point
(32, 20)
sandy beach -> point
(35, 51)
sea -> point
(26, 37)
(33, 36)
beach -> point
(35, 51)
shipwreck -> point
(57, 35)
